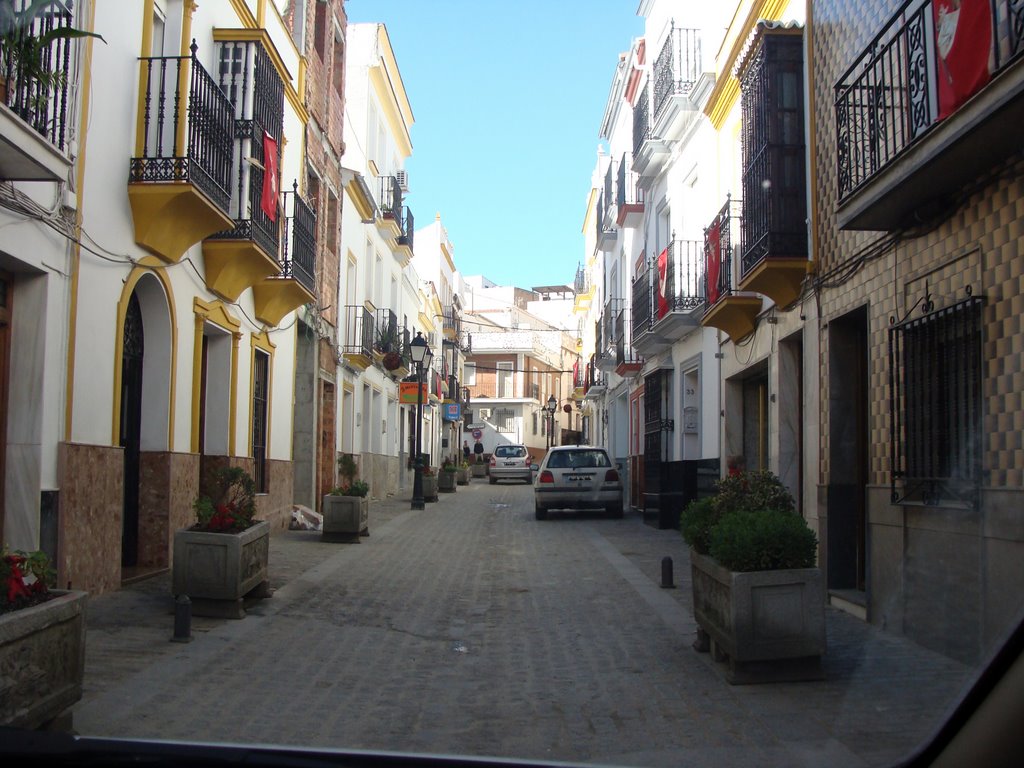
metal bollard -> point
(182, 620)
(666, 573)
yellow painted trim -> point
(397, 86)
(447, 257)
(144, 50)
(244, 14)
(261, 13)
(76, 248)
(275, 297)
(215, 313)
(236, 339)
(363, 205)
(184, 73)
(812, 139)
(590, 210)
(726, 90)
(262, 342)
(148, 265)
(221, 35)
(383, 89)
(170, 218)
(231, 266)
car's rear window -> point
(578, 459)
(509, 451)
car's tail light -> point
(611, 476)
(546, 476)
(493, 462)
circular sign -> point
(477, 434)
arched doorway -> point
(132, 355)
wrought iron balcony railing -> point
(684, 275)
(677, 67)
(641, 120)
(386, 334)
(627, 187)
(359, 331)
(718, 249)
(300, 233)
(36, 71)
(390, 202)
(643, 305)
(452, 322)
(887, 100)
(624, 353)
(408, 228)
(187, 137)
(581, 284)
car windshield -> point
(380, 408)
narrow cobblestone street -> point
(470, 628)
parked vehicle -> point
(510, 462)
(577, 477)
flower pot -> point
(218, 570)
(430, 487)
(346, 518)
(479, 470)
(446, 481)
(462, 476)
(769, 626)
(42, 658)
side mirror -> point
(535, 467)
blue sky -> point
(508, 99)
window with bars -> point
(935, 404)
(505, 420)
(260, 389)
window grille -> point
(260, 391)
(935, 405)
(504, 420)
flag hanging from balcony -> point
(712, 260)
(662, 283)
(963, 45)
(268, 200)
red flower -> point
(15, 580)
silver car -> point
(577, 477)
(510, 462)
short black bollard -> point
(182, 620)
(666, 573)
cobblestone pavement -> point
(471, 628)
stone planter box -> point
(479, 470)
(42, 660)
(346, 518)
(768, 626)
(462, 476)
(430, 487)
(218, 570)
(446, 481)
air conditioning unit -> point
(485, 414)
(403, 180)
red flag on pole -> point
(963, 44)
(713, 261)
(662, 283)
(268, 200)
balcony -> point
(596, 384)
(645, 284)
(179, 177)
(583, 289)
(628, 362)
(403, 243)
(629, 197)
(451, 323)
(245, 254)
(774, 257)
(33, 126)
(295, 286)
(386, 336)
(729, 311)
(681, 291)
(650, 152)
(357, 342)
(907, 139)
(675, 72)
(605, 334)
(389, 207)
(605, 219)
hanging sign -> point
(452, 411)
(407, 392)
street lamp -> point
(551, 407)
(421, 355)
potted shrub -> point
(463, 473)
(429, 484)
(446, 481)
(42, 642)
(223, 557)
(346, 511)
(757, 596)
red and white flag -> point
(268, 199)
(963, 47)
(713, 261)
(662, 283)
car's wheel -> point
(615, 510)
(540, 513)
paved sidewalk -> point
(471, 628)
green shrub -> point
(762, 540)
(696, 523)
(750, 491)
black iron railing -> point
(408, 227)
(452, 321)
(627, 185)
(581, 284)
(684, 275)
(390, 202)
(641, 120)
(624, 354)
(718, 248)
(187, 136)
(886, 100)
(36, 72)
(677, 67)
(359, 331)
(386, 335)
(608, 195)
(642, 293)
(300, 234)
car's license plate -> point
(510, 463)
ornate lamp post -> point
(551, 407)
(421, 355)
